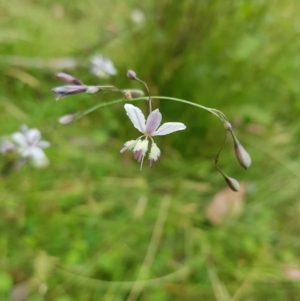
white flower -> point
(29, 145)
(102, 67)
(149, 129)
(138, 16)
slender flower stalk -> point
(132, 75)
(232, 183)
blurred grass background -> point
(91, 224)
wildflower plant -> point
(144, 145)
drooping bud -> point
(135, 93)
(131, 74)
(232, 183)
(68, 90)
(92, 90)
(69, 79)
(242, 155)
(66, 119)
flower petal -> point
(43, 144)
(33, 136)
(153, 121)
(136, 116)
(37, 156)
(169, 127)
(19, 139)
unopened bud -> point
(242, 156)
(227, 126)
(69, 79)
(92, 90)
(135, 93)
(68, 90)
(232, 183)
(66, 119)
(131, 74)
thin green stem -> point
(149, 99)
(211, 110)
(100, 105)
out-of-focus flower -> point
(29, 146)
(102, 67)
(138, 16)
(149, 129)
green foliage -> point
(83, 228)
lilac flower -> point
(102, 67)
(69, 79)
(63, 91)
(29, 145)
(149, 129)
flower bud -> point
(69, 79)
(135, 93)
(232, 183)
(66, 119)
(131, 74)
(92, 90)
(68, 90)
(242, 156)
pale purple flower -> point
(29, 146)
(149, 129)
(102, 67)
(69, 79)
(63, 91)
